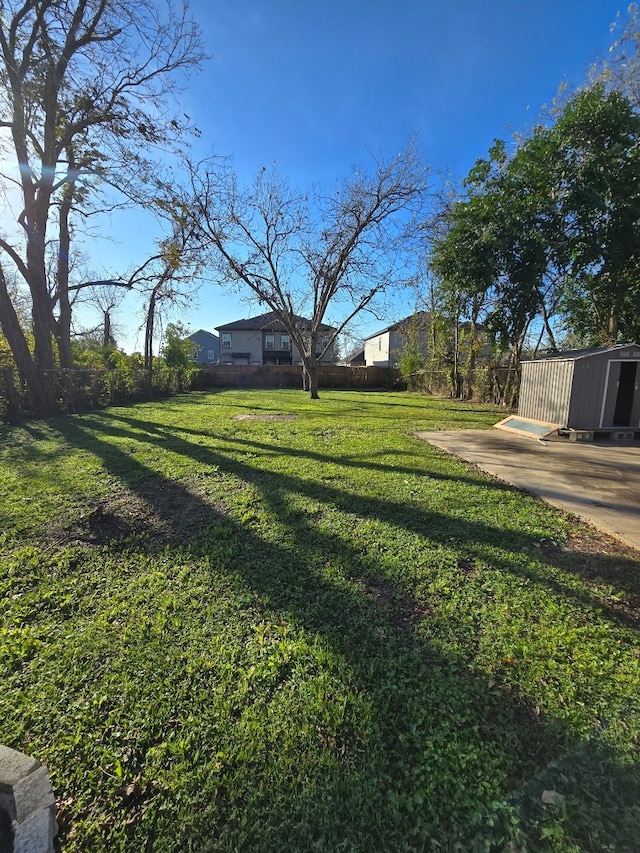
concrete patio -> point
(599, 481)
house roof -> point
(574, 354)
(267, 322)
(192, 336)
(357, 354)
(423, 317)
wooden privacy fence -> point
(84, 389)
(287, 376)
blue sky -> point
(314, 86)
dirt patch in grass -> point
(600, 543)
(155, 512)
(401, 610)
(258, 417)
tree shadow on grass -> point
(443, 741)
(181, 436)
(474, 537)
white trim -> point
(604, 395)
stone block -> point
(7, 804)
(27, 803)
(581, 435)
(33, 793)
(622, 435)
(36, 834)
(14, 766)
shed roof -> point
(575, 354)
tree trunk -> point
(37, 200)
(14, 334)
(42, 324)
(148, 340)
(548, 329)
(41, 386)
(612, 327)
(313, 381)
(467, 383)
(63, 325)
(457, 379)
(106, 331)
(511, 389)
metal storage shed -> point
(591, 389)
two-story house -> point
(385, 348)
(208, 347)
(265, 340)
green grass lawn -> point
(310, 634)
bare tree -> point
(106, 298)
(620, 71)
(168, 279)
(308, 256)
(81, 103)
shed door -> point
(621, 404)
(625, 395)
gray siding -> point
(251, 343)
(206, 343)
(545, 390)
(588, 390)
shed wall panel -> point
(589, 380)
(545, 390)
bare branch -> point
(301, 254)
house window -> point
(379, 344)
(269, 341)
(210, 355)
(285, 341)
(324, 341)
(226, 340)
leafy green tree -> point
(596, 144)
(413, 357)
(550, 236)
(88, 350)
(178, 350)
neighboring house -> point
(384, 348)
(354, 359)
(265, 340)
(208, 347)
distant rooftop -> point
(421, 316)
(269, 321)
